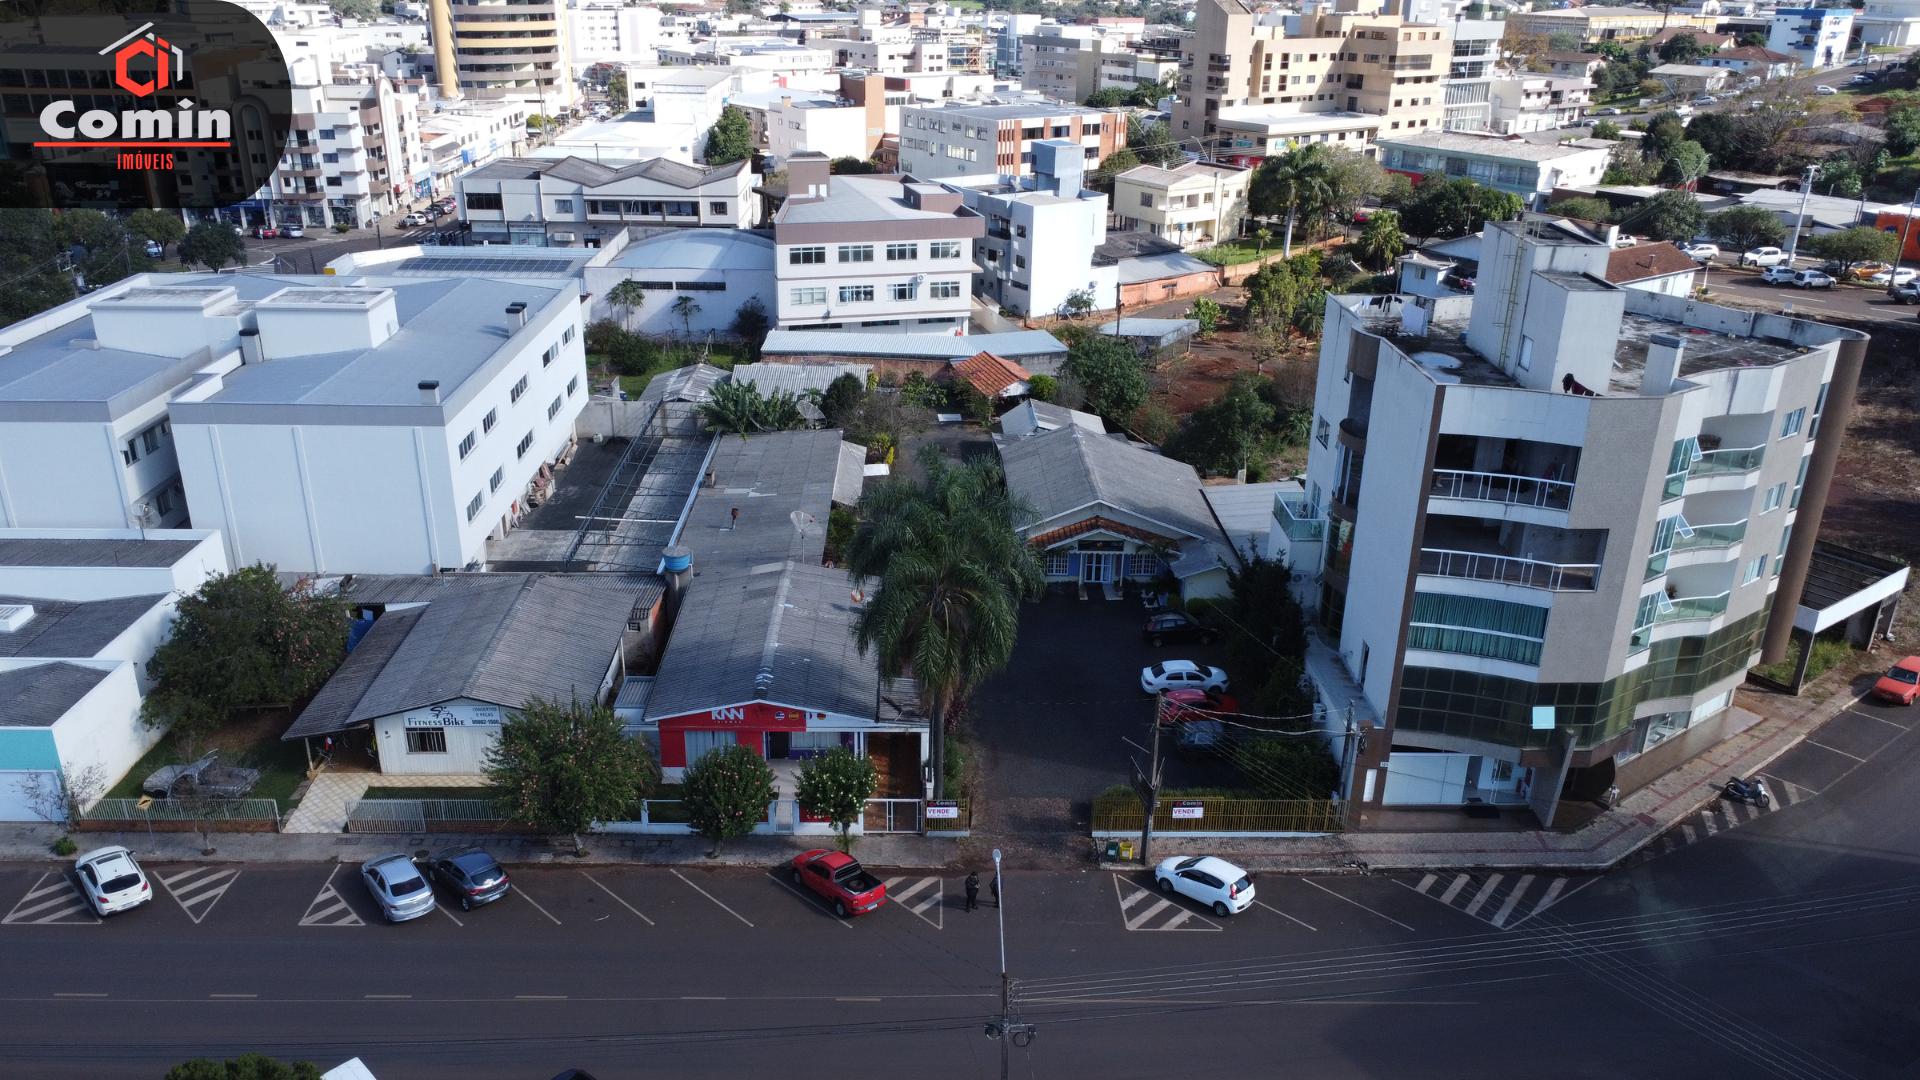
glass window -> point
(426, 741)
(1780, 557)
(856, 253)
(1790, 426)
(525, 442)
(943, 249)
(466, 445)
(572, 385)
(898, 252)
(944, 290)
(1056, 564)
(900, 290)
(518, 389)
(801, 256)
(856, 294)
(1754, 570)
(809, 296)
(473, 508)
(719, 209)
(1776, 495)
(499, 474)
(1799, 481)
(563, 206)
(553, 410)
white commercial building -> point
(1469, 85)
(1817, 37)
(1527, 103)
(466, 135)
(956, 138)
(832, 127)
(1041, 235)
(721, 270)
(569, 202)
(872, 252)
(1530, 170)
(1247, 134)
(1889, 22)
(601, 32)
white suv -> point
(1181, 675)
(1764, 256)
(1217, 883)
(111, 880)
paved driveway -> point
(1048, 729)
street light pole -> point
(1800, 220)
(1006, 1029)
(1906, 228)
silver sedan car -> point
(398, 886)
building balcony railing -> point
(1691, 607)
(1299, 521)
(1727, 462)
(1704, 537)
(1501, 488)
(1509, 570)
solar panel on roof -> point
(474, 265)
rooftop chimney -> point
(430, 391)
(250, 352)
(517, 312)
(1663, 364)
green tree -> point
(1744, 228)
(1352, 178)
(1119, 161)
(102, 249)
(740, 409)
(367, 10)
(750, 325)
(1584, 207)
(562, 767)
(1685, 162)
(1398, 191)
(1111, 374)
(248, 1067)
(1903, 130)
(1381, 240)
(1563, 41)
(1665, 130)
(1751, 39)
(1670, 215)
(1605, 129)
(30, 261)
(1682, 49)
(1287, 293)
(159, 226)
(726, 793)
(1077, 304)
(617, 91)
(852, 166)
(1719, 135)
(1295, 184)
(213, 245)
(731, 137)
(840, 401)
(629, 296)
(1107, 97)
(1222, 438)
(1266, 637)
(1443, 207)
(1152, 141)
(1207, 312)
(1862, 243)
(1043, 388)
(836, 786)
(241, 640)
(1289, 766)
(686, 307)
(951, 572)
(1838, 176)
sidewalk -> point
(1608, 838)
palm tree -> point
(1262, 236)
(952, 572)
(1381, 241)
(629, 297)
(1298, 182)
(686, 307)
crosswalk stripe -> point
(1481, 897)
(1425, 884)
(1687, 831)
(903, 894)
(1708, 822)
(1133, 897)
(1179, 919)
(1513, 900)
(1552, 894)
(1159, 906)
(1453, 890)
(1163, 913)
(51, 899)
(329, 908)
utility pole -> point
(1906, 228)
(1150, 783)
(1800, 221)
(1006, 1030)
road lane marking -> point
(795, 890)
(1842, 753)
(196, 889)
(1453, 890)
(1513, 901)
(716, 899)
(1160, 913)
(917, 899)
(233, 997)
(53, 902)
(539, 997)
(536, 904)
(616, 897)
(78, 995)
(691, 997)
(1358, 904)
(442, 910)
(329, 908)
(1486, 890)
(856, 999)
(1284, 915)
(386, 997)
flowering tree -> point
(836, 786)
(727, 793)
(560, 768)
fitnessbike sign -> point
(162, 103)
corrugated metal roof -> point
(851, 474)
(56, 551)
(38, 696)
(797, 379)
(1134, 270)
(1245, 511)
(75, 631)
(690, 383)
(767, 478)
(1015, 344)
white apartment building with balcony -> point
(570, 202)
(493, 49)
(1041, 235)
(881, 253)
(955, 138)
(1527, 103)
(466, 135)
(1817, 37)
(1193, 205)
(1585, 512)
(1470, 75)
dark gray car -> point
(470, 874)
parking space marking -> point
(616, 897)
(1161, 914)
(919, 899)
(716, 899)
(536, 904)
(441, 908)
(329, 908)
(52, 902)
(795, 890)
(1284, 915)
(197, 888)
(1882, 719)
(1358, 904)
(1502, 901)
(1824, 746)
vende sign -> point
(752, 715)
(1189, 811)
(949, 811)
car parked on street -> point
(1905, 294)
(154, 250)
(1706, 99)
(413, 220)
(1181, 675)
(1763, 256)
(1702, 251)
(1778, 275)
(1176, 626)
(1901, 683)
(292, 231)
(265, 232)
(472, 875)
(1196, 737)
(1902, 276)
(841, 880)
(1204, 701)
(1824, 91)
(111, 880)
(397, 886)
(1215, 882)
(1812, 279)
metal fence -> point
(217, 814)
(424, 815)
(892, 816)
(1123, 815)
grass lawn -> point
(429, 793)
(253, 741)
(1228, 254)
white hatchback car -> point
(1702, 251)
(1181, 675)
(1778, 275)
(111, 880)
(1812, 279)
(1217, 883)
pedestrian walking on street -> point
(995, 886)
(973, 890)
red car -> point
(1203, 700)
(265, 232)
(1901, 682)
(841, 879)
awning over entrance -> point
(1842, 583)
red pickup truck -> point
(841, 879)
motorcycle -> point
(1752, 791)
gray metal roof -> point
(1130, 326)
(781, 632)
(1013, 345)
(498, 638)
(768, 478)
(850, 475)
(1136, 269)
(39, 695)
(581, 171)
(76, 631)
(1245, 511)
(56, 551)
(796, 379)
(689, 383)
(853, 199)
(698, 249)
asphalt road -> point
(1845, 301)
(1778, 944)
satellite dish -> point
(805, 524)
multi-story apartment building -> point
(600, 32)
(1530, 170)
(1041, 235)
(1817, 37)
(1063, 60)
(1476, 53)
(1192, 205)
(1585, 512)
(888, 50)
(872, 253)
(1889, 22)
(571, 202)
(503, 49)
(955, 138)
(1526, 103)
(1351, 56)
(1596, 23)
(468, 134)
